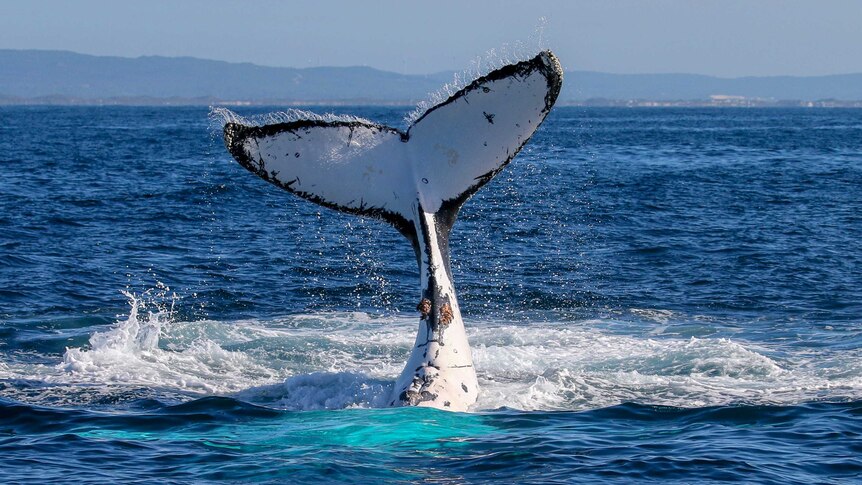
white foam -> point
(130, 354)
(350, 359)
(558, 368)
(323, 390)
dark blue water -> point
(651, 295)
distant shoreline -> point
(718, 102)
(31, 77)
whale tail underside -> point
(416, 180)
(367, 169)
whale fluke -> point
(417, 181)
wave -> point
(338, 360)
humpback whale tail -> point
(416, 180)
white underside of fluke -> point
(416, 180)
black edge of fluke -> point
(546, 63)
(235, 135)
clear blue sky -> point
(718, 37)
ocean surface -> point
(652, 295)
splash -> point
(149, 348)
(138, 333)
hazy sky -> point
(718, 37)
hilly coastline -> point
(61, 77)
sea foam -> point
(335, 360)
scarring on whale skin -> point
(417, 181)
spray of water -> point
(480, 66)
(150, 348)
(149, 316)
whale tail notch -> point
(416, 180)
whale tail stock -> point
(417, 181)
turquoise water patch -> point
(400, 428)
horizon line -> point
(437, 73)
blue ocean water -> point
(652, 295)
